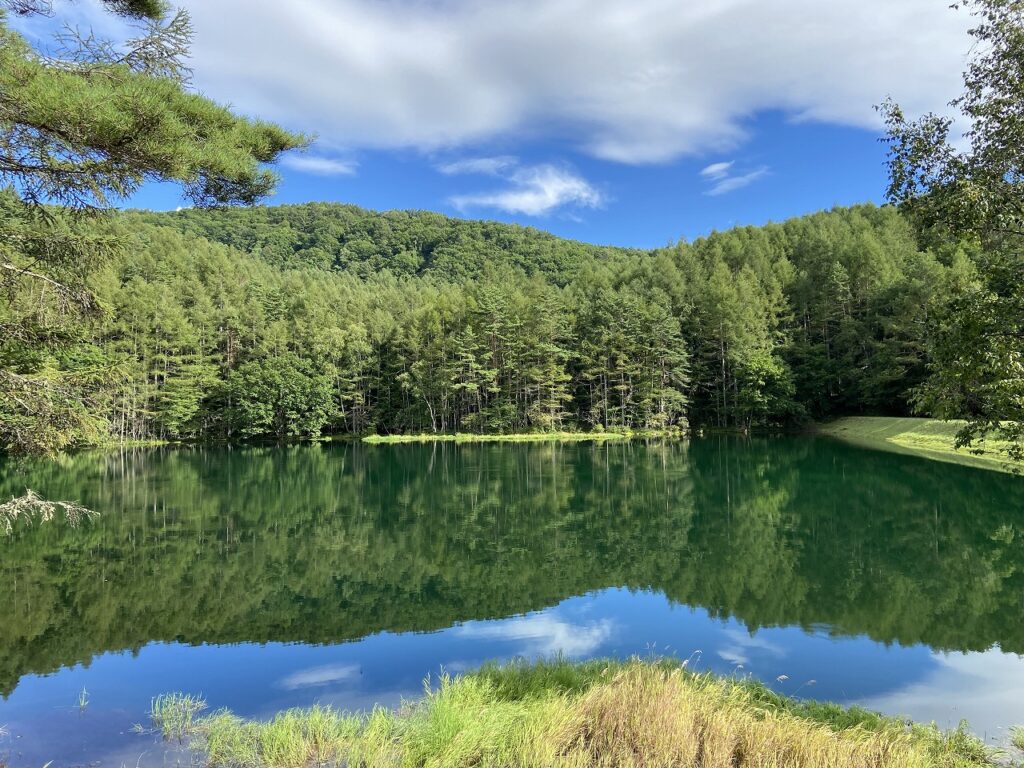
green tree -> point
(79, 132)
(280, 396)
(974, 191)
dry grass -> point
(668, 719)
(631, 715)
(32, 506)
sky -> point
(629, 123)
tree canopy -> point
(444, 325)
(78, 131)
(972, 190)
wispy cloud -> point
(717, 170)
(534, 190)
(544, 634)
(724, 181)
(319, 165)
(742, 645)
(317, 676)
(488, 166)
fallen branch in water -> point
(32, 505)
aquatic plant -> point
(174, 714)
(83, 699)
(32, 506)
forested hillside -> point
(301, 321)
(334, 236)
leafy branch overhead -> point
(90, 129)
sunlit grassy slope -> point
(930, 438)
(596, 713)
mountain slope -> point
(349, 238)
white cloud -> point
(724, 182)
(319, 165)
(543, 634)
(488, 166)
(535, 191)
(717, 170)
(317, 676)
(640, 82)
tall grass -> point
(175, 714)
(633, 714)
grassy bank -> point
(596, 713)
(930, 438)
(529, 437)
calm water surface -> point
(346, 574)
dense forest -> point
(322, 319)
(325, 319)
(348, 238)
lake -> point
(348, 574)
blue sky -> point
(623, 123)
(791, 168)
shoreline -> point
(563, 713)
(525, 437)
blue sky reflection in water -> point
(367, 569)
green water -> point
(271, 577)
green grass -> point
(930, 438)
(1017, 738)
(528, 437)
(175, 715)
(597, 713)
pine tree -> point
(76, 134)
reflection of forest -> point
(329, 543)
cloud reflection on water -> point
(543, 634)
